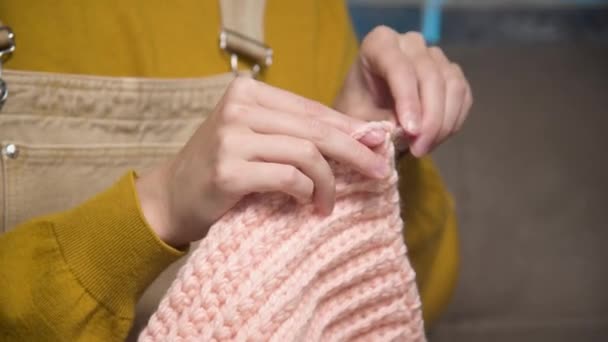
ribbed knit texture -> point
(273, 270)
(109, 248)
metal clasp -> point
(240, 46)
(5, 54)
(10, 47)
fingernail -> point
(378, 135)
(323, 211)
(382, 169)
(411, 123)
(373, 138)
(412, 127)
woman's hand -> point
(258, 139)
(397, 77)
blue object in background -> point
(401, 18)
(431, 21)
(584, 21)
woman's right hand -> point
(258, 139)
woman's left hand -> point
(397, 77)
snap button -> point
(11, 151)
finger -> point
(458, 82)
(459, 86)
(332, 142)
(271, 177)
(432, 91)
(381, 55)
(300, 153)
(455, 92)
(466, 108)
(282, 100)
(455, 97)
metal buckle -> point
(238, 45)
(4, 56)
(6, 52)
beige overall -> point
(66, 137)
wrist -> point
(154, 203)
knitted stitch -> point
(272, 270)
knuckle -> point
(241, 85)
(233, 112)
(290, 177)
(415, 37)
(222, 175)
(382, 32)
(309, 151)
(318, 131)
(239, 89)
(379, 35)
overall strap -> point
(242, 33)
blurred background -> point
(530, 170)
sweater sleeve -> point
(76, 275)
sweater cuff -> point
(110, 248)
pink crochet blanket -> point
(273, 270)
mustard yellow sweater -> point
(76, 275)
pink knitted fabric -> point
(273, 270)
